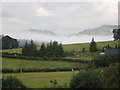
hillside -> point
(80, 46)
(102, 30)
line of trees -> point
(52, 49)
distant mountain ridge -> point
(102, 30)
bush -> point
(87, 79)
(12, 82)
(111, 76)
(105, 60)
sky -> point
(63, 18)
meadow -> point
(80, 46)
(42, 79)
(8, 63)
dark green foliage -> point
(83, 50)
(38, 70)
(42, 50)
(116, 34)
(53, 49)
(87, 79)
(106, 47)
(9, 43)
(90, 66)
(25, 49)
(111, 76)
(105, 60)
(32, 48)
(116, 46)
(93, 46)
(19, 56)
(12, 82)
(70, 53)
(54, 82)
(29, 49)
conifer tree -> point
(25, 49)
(42, 51)
(93, 46)
(29, 49)
(60, 52)
(32, 48)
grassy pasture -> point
(8, 63)
(42, 79)
(80, 46)
(84, 55)
(16, 50)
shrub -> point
(111, 76)
(105, 60)
(12, 82)
(83, 50)
(87, 79)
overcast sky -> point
(60, 17)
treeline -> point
(52, 49)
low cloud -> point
(60, 17)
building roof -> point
(110, 51)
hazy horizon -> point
(63, 18)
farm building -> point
(110, 51)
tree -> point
(42, 50)
(12, 82)
(9, 43)
(111, 76)
(29, 49)
(87, 79)
(59, 50)
(93, 46)
(25, 49)
(32, 48)
(116, 34)
(52, 49)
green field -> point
(80, 46)
(8, 63)
(40, 80)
